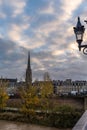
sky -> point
(45, 28)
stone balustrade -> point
(82, 122)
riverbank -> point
(11, 125)
(58, 120)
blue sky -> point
(45, 28)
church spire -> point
(28, 72)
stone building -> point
(11, 82)
(69, 87)
(11, 85)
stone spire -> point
(28, 72)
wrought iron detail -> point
(85, 50)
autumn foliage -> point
(3, 94)
(36, 97)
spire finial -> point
(79, 23)
(78, 18)
(28, 59)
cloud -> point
(17, 6)
(14, 8)
(46, 28)
(2, 15)
(15, 33)
(69, 7)
(47, 9)
(12, 59)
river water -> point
(8, 125)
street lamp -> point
(79, 31)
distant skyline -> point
(45, 28)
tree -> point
(46, 89)
(46, 92)
(30, 100)
(36, 97)
(3, 94)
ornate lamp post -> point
(79, 31)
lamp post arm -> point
(85, 21)
(83, 46)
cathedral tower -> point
(28, 72)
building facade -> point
(10, 84)
(69, 87)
